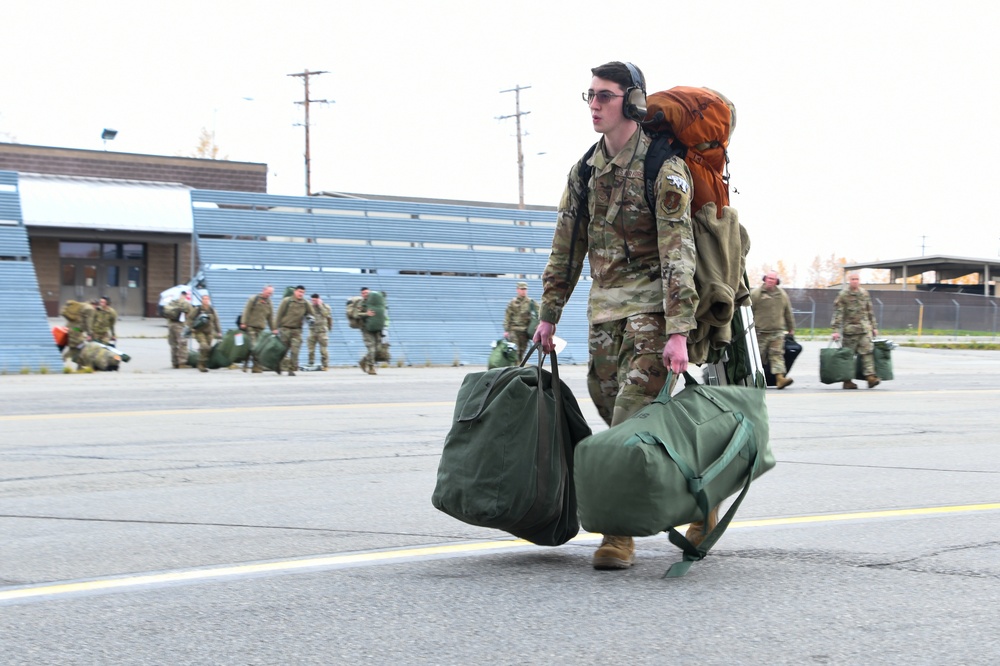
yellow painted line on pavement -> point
(219, 410)
(281, 566)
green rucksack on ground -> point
(504, 355)
(507, 461)
(672, 462)
(269, 351)
(235, 345)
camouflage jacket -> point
(518, 314)
(258, 313)
(853, 313)
(292, 312)
(213, 321)
(640, 261)
(324, 317)
(103, 321)
(772, 310)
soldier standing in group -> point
(292, 314)
(854, 316)
(178, 312)
(258, 315)
(204, 324)
(318, 331)
(102, 323)
(517, 318)
(772, 316)
(642, 297)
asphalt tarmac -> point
(159, 516)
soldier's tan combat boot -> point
(850, 385)
(363, 364)
(371, 369)
(202, 368)
(873, 381)
(781, 381)
(615, 552)
(698, 530)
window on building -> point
(133, 250)
(74, 250)
(111, 275)
(68, 275)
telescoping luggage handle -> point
(741, 439)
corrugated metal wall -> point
(26, 342)
(448, 271)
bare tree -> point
(206, 147)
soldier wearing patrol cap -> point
(517, 318)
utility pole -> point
(520, 155)
(305, 103)
(923, 245)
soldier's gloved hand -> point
(874, 332)
(836, 336)
(543, 336)
(675, 353)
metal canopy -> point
(944, 266)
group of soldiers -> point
(201, 322)
(88, 322)
(853, 325)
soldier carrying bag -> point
(507, 462)
(673, 461)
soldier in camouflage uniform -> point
(207, 332)
(372, 339)
(318, 331)
(175, 328)
(102, 322)
(772, 316)
(292, 314)
(853, 315)
(78, 316)
(643, 298)
(258, 315)
(517, 317)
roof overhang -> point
(104, 204)
(944, 266)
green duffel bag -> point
(507, 461)
(218, 358)
(235, 345)
(375, 303)
(269, 351)
(193, 357)
(672, 462)
(882, 350)
(836, 364)
(503, 355)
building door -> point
(116, 270)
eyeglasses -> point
(603, 96)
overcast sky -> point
(866, 128)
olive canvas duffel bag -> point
(507, 461)
(672, 462)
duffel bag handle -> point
(668, 386)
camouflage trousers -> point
(861, 345)
(521, 339)
(252, 335)
(321, 338)
(101, 336)
(372, 341)
(204, 340)
(772, 350)
(626, 364)
(178, 345)
(293, 338)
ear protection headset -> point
(634, 107)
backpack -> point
(172, 310)
(696, 125)
(351, 311)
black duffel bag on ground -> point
(507, 462)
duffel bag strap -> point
(694, 553)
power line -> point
(520, 155)
(305, 103)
